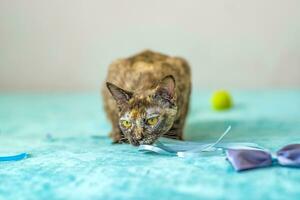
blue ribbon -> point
(188, 149)
(14, 157)
(242, 156)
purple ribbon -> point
(251, 158)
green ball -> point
(221, 100)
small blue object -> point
(14, 157)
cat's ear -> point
(121, 96)
(166, 88)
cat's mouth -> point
(146, 140)
(134, 142)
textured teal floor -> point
(72, 158)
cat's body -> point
(144, 93)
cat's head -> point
(145, 115)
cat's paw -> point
(118, 138)
(117, 142)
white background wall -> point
(67, 45)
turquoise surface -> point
(72, 157)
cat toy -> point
(221, 100)
(242, 156)
(190, 149)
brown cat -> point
(147, 96)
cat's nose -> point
(139, 133)
(138, 136)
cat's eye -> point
(126, 123)
(152, 121)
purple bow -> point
(243, 159)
